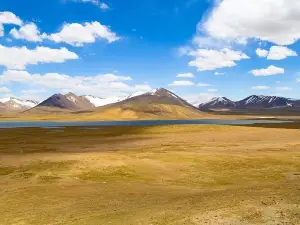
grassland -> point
(194, 174)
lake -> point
(52, 124)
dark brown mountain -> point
(61, 103)
(255, 104)
(263, 102)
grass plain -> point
(188, 174)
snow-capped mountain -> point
(15, 104)
(218, 102)
(68, 101)
(261, 101)
(251, 102)
(98, 101)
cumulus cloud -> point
(103, 85)
(214, 59)
(185, 75)
(259, 19)
(28, 32)
(280, 52)
(4, 90)
(276, 53)
(262, 53)
(203, 85)
(78, 34)
(271, 70)
(260, 87)
(19, 58)
(181, 83)
(8, 18)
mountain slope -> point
(263, 102)
(160, 103)
(17, 105)
(255, 105)
(62, 103)
(2, 107)
(218, 103)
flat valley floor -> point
(189, 174)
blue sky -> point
(197, 48)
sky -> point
(197, 48)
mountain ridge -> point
(252, 102)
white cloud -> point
(260, 87)
(275, 21)
(8, 18)
(212, 90)
(185, 75)
(219, 74)
(28, 32)
(280, 52)
(197, 99)
(283, 88)
(214, 59)
(271, 70)
(203, 85)
(100, 85)
(101, 5)
(298, 80)
(19, 58)
(276, 53)
(104, 6)
(78, 34)
(4, 90)
(262, 53)
(181, 83)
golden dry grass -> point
(153, 112)
(193, 174)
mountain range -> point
(156, 104)
(16, 105)
(160, 102)
(252, 103)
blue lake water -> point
(52, 124)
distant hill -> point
(263, 102)
(16, 105)
(256, 104)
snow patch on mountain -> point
(18, 103)
(97, 101)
